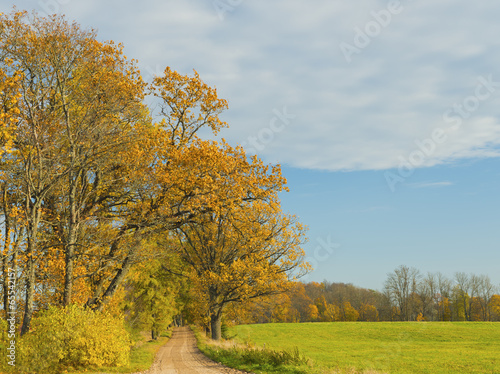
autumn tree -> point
(312, 313)
(169, 186)
(443, 297)
(31, 169)
(150, 185)
(153, 296)
(280, 309)
(272, 309)
(300, 300)
(444, 309)
(12, 240)
(79, 110)
(332, 313)
(89, 173)
(102, 115)
(465, 291)
(400, 286)
(237, 239)
(13, 228)
(9, 98)
(348, 312)
(459, 303)
(246, 248)
(486, 292)
(322, 305)
(427, 291)
(368, 313)
(495, 307)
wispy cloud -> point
(430, 184)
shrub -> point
(272, 357)
(256, 356)
(259, 360)
(4, 344)
(73, 337)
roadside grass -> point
(142, 355)
(385, 347)
(252, 359)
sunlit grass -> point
(386, 347)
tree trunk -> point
(30, 293)
(216, 324)
(32, 234)
(68, 278)
(69, 261)
(72, 238)
(5, 252)
(98, 304)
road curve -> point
(181, 356)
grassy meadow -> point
(385, 347)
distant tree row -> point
(316, 302)
(435, 297)
(408, 295)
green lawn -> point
(406, 347)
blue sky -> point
(383, 114)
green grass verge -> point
(386, 347)
(141, 356)
(253, 359)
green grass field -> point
(407, 347)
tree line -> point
(408, 295)
(435, 297)
(107, 201)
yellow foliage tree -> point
(444, 309)
(312, 312)
(495, 307)
(368, 312)
(348, 313)
(80, 109)
(153, 297)
(245, 247)
(9, 109)
(332, 313)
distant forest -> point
(408, 295)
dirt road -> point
(181, 356)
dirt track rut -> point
(181, 356)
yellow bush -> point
(73, 337)
(4, 344)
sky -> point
(383, 114)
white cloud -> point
(430, 184)
(362, 115)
